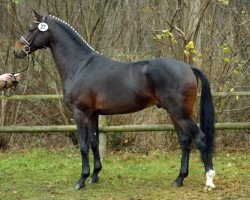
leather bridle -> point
(27, 48)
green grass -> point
(46, 174)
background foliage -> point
(211, 34)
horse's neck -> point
(69, 51)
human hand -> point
(7, 77)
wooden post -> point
(3, 104)
(102, 136)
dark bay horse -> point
(94, 85)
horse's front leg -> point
(94, 142)
(82, 124)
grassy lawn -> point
(46, 174)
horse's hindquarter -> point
(175, 83)
(170, 74)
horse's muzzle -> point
(19, 53)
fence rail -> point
(60, 96)
(123, 128)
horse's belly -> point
(116, 106)
(118, 110)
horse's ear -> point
(36, 16)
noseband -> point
(27, 45)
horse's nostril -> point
(13, 52)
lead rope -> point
(15, 82)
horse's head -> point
(36, 37)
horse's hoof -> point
(177, 184)
(93, 180)
(209, 187)
(79, 186)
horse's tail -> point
(206, 110)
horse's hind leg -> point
(185, 142)
(190, 128)
(94, 142)
(181, 112)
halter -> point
(39, 29)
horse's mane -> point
(69, 26)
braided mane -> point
(75, 32)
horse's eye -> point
(30, 30)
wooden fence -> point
(103, 127)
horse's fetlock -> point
(85, 174)
(97, 169)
